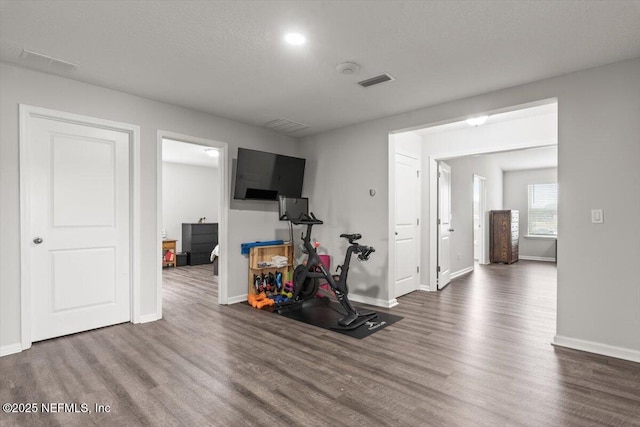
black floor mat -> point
(323, 313)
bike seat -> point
(351, 237)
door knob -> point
(37, 240)
(451, 230)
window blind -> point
(543, 210)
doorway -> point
(520, 127)
(194, 175)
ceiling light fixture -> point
(477, 121)
(295, 39)
(211, 152)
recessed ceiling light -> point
(477, 121)
(212, 152)
(295, 39)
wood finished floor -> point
(476, 353)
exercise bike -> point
(306, 277)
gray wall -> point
(516, 197)
(189, 193)
(247, 221)
(599, 150)
(462, 171)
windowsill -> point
(541, 237)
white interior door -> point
(444, 224)
(407, 213)
(78, 218)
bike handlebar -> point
(305, 219)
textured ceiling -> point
(227, 57)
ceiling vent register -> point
(286, 126)
(376, 80)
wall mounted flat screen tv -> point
(265, 176)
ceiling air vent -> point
(43, 61)
(376, 80)
(286, 126)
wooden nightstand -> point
(169, 245)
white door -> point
(444, 224)
(78, 217)
(407, 215)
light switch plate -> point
(597, 216)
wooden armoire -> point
(503, 236)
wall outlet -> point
(597, 216)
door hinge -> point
(438, 174)
(418, 269)
(418, 174)
(438, 269)
(417, 221)
(438, 221)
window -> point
(543, 210)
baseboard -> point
(461, 272)
(597, 348)
(6, 350)
(237, 299)
(536, 258)
(373, 301)
(148, 318)
(424, 288)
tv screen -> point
(265, 176)
(292, 208)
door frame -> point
(26, 112)
(223, 212)
(483, 221)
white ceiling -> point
(227, 57)
(186, 154)
(532, 158)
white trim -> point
(391, 207)
(136, 225)
(423, 287)
(25, 113)
(373, 301)
(461, 272)
(483, 220)
(236, 299)
(536, 258)
(223, 212)
(597, 348)
(14, 348)
(540, 236)
(149, 318)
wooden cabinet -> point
(198, 240)
(169, 245)
(261, 255)
(504, 236)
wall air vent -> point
(46, 62)
(376, 80)
(286, 126)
